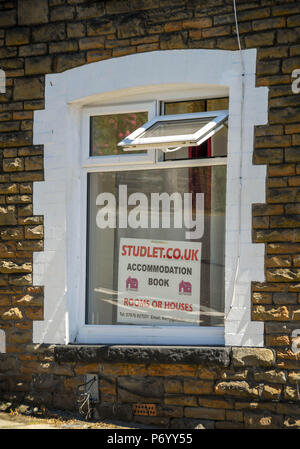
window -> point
(155, 245)
(175, 131)
(165, 82)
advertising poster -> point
(159, 282)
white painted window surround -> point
(166, 75)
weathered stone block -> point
(18, 199)
(8, 215)
(34, 232)
(34, 163)
(291, 393)
(120, 411)
(15, 139)
(271, 392)
(283, 248)
(34, 313)
(88, 11)
(217, 31)
(108, 387)
(18, 336)
(276, 235)
(285, 298)
(13, 164)
(172, 41)
(278, 261)
(7, 363)
(262, 421)
(11, 233)
(65, 401)
(17, 36)
(292, 154)
(20, 280)
(28, 300)
(236, 388)
(234, 415)
(91, 42)
(31, 12)
(180, 399)
(260, 39)
(123, 51)
(260, 222)
(283, 275)
(284, 115)
(252, 357)
(64, 13)
(48, 33)
(65, 62)
(296, 314)
(278, 340)
(204, 413)
(214, 402)
(33, 50)
(152, 420)
(169, 411)
(98, 55)
(86, 368)
(264, 313)
(294, 180)
(173, 386)
(272, 141)
(261, 298)
(63, 46)
(7, 266)
(27, 177)
(140, 389)
(38, 65)
(288, 409)
(265, 24)
(172, 370)
(195, 386)
(76, 29)
(47, 382)
(12, 314)
(267, 209)
(191, 424)
(96, 27)
(294, 377)
(292, 423)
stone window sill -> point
(143, 354)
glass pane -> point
(156, 260)
(217, 104)
(216, 146)
(184, 107)
(175, 128)
(108, 130)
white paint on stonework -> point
(2, 341)
(141, 77)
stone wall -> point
(242, 387)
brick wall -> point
(246, 389)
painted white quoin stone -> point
(174, 74)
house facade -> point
(150, 210)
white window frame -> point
(107, 160)
(133, 334)
(140, 77)
(135, 141)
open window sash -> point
(172, 131)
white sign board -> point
(159, 282)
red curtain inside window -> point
(203, 150)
